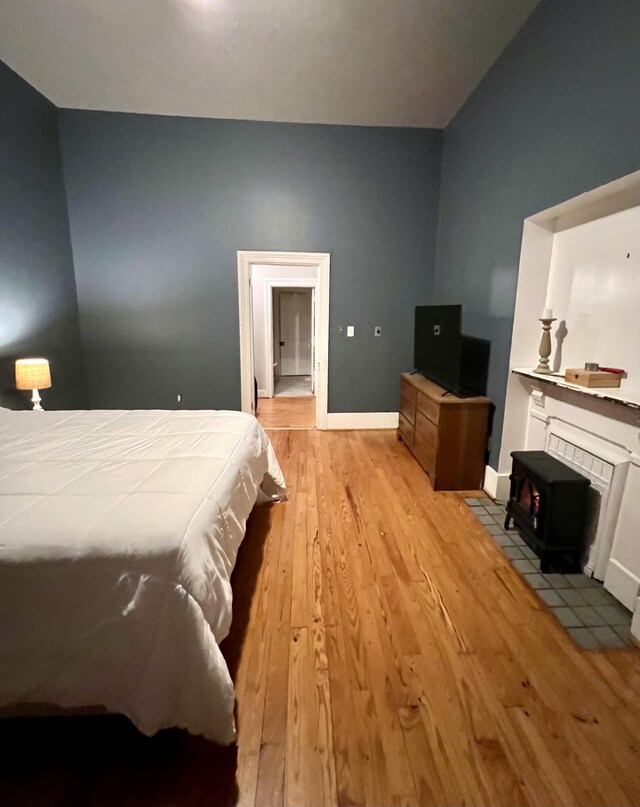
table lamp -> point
(33, 374)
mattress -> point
(118, 534)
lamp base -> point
(545, 347)
(543, 369)
(36, 401)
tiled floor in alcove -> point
(593, 618)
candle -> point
(547, 313)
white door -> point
(275, 318)
(313, 341)
(295, 332)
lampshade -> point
(32, 374)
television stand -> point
(447, 435)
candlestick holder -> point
(545, 347)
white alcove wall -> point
(582, 258)
(594, 288)
(600, 208)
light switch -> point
(351, 330)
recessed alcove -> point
(582, 258)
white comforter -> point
(118, 535)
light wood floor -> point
(384, 653)
(287, 412)
(393, 656)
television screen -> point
(437, 346)
(474, 366)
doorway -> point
(293, 341)
(284, 337)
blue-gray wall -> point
(558, 114)
(159, 207)
(38, 307)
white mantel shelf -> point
(616, 395)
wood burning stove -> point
(548, 503)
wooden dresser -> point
(447, 435)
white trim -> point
(622, 583)
(495, 484)
(262, 393)
(245, 321)
(322, 262)
(635, 622)
(362, 420)
(269, 285)
(268, 338)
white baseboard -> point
(262, 393)
(622, 583)
(635, 623)
(362, 420)
(495, 484)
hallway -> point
(293, 386)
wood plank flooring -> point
(384, 653)
(394, 657)
(287, 412)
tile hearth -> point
(591, 616)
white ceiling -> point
(376, 62)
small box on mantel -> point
(592, 378)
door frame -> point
(321, 261)
(288, 283)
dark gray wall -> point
(558, 114)
(38, 307)
(159, 207)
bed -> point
(118, 534)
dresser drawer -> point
(428, 407)
(425, 444)
(426, 456)
(426, 435)
(405, 430)
(408, 401)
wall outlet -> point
(351, 331)
(377, 331)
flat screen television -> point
(474, 366)
(437, 345)
(444, 354)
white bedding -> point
(118, 535)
